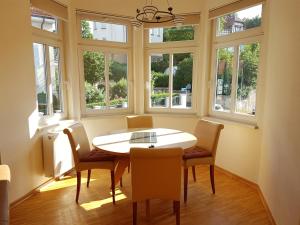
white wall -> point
(239, 150)
(279, 177)
(102, 125)
(20, 147)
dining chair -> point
(204, 152)
(86, 158)
(156, 173)
(139, 121)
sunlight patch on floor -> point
(64, 183)
(99, 203)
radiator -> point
(57, 152)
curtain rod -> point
(104, 14)
(124, 17)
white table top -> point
(119, 143)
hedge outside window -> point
(105, 76)
(171, 79)
(246, 80)
(160, 35)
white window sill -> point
(57, 125)
(173, 114)
(232, 122)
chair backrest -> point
(139, 122)
(208, 134)
(78, 140)
(156, 173)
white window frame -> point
(252, 35)
(48, 39)
(172, 47)
(106, 51)
(54, 35)
(91, 42)
(106, 47)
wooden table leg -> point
(120, 169)
(148, 209)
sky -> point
(250, 12)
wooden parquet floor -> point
(235, 203)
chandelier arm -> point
(165, 12)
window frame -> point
(58, 24)
(240, 34)
(52, 39)
(105, 47)
(91, 42)
(252, 35)
(171, 44)
(106, 51)
(172, 47)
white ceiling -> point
(128, 7)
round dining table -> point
(119, 143)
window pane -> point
(103, 31)
(118, 88)
(44, 23)
(160, 80)
(159, 35)
(239, 21)
(224, 79)
(94, 64)
(247, 78)
(182, 80)
(55, 79)
(41, 78)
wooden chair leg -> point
(177, 209)
(212, 178)
(112, 176)
(121, 182)
(88, 178)
(78, 174)
(134, 213)
(174, 208)
(194, 173)
(186, 173)
(128, 168)
(148, 209)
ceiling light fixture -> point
(151, 14)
